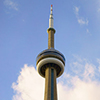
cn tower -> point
(50, 63)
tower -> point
(50, 64)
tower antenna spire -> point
(51, 17)
(51, 9)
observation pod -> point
(50, 58)
(50, 64)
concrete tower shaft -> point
(51, 33)
(50, 84)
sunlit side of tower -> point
(50, 64)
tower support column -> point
(50, 84)
(51, 33)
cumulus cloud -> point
(80, 19)
(11, 4)
(29, 86)
(79, 83)
(81, 90)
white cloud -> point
(76, 67)
(29, 86)
(84, 69)
(80, 20)
(81, 86)
(88, 32)
(81, 90)
(76, 10)
(11, 4)
(98, 60)
(89, 71)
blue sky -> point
(23, 35)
